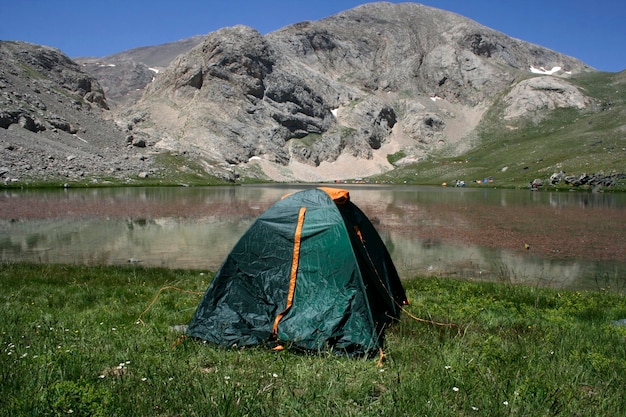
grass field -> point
(101, 341)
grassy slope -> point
(589, 141)
(94, 341)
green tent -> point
(311, 272)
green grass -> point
(98, 341)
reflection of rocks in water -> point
(141, 222)
(436, 258)
(462, 233)
(465, 269)
(431, 243)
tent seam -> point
(294, 271)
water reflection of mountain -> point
(414, 257)
(465, 233)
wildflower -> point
(275, 375)
(101, 376)
(506, 403)
(226, 377)
(475, 408)
(455, 389)
(144, 379)
(447, 367)
(24, 355)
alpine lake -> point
(559, 239)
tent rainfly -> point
(310, 272)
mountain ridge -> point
(331, 99)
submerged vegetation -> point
(105, 341)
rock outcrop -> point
(54, 119)
(361, 84)
(126, 74)
(538, 95)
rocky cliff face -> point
(54, 119)
(126, 74)
(371, 81)
(313, 101)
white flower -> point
(144, 379)
(101, 376)
(455, 389)
(506, 403)
(447, 367)
(475, 408)
(275, 375)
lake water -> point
(559, 239)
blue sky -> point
(592, 31)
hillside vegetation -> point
(514, 154)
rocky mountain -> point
(331, 98)
(322, 100)
(55, 121)
(124, 75)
